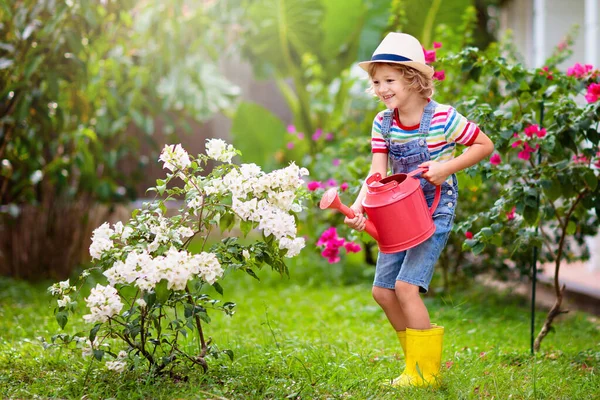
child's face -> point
(390, 86)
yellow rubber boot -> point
(423, 358)
(402, 338)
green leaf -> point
(218, 288)
(62, 317)
(246, 227)
(252, 274)
(94, 331)
(98, 354)
(226, 222)
(571, 228)
(229, 354)
(591, 179)
(162, 292)
(31, 67)
(258, 133)
(283, 31)
(487, 232)
(478, 248)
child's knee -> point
(406, 292)
(383, 296)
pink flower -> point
(469, 235)
(314, 185)
(495, 159)
(562, 45)
(332, 254)
(327, 235)
(531, 130)
(352, 247)
(300, 135)
(517, 143)
(541, 133)
(336, 162)
(344, 187)
(579, 71)
(580, 159)
(437, 45)
(439, 75)
(511, 214)
(291, 128)
(593, 93)
(331, 182)
(317, 134)
(524, 155)
(290, 145)
(429, 56)
(329, 137)
(546, 72)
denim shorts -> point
(416, 265)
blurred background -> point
(90, 91)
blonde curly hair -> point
(414, 79)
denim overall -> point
(415, 265)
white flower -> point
(250, 171)
(64, 285)
(293, 246)
(127, 232)
(246, 254)
(104, 302)
(122, 354)
(118, 227)
(118, 366)
(36, 177)
(174, 157)
(101, 241)
(87, 347)
(209, 266)
(246, 210)
(185, 232)
(219, 150)
(141, 303)
(65, 301)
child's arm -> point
(378, 164)
(438, 172)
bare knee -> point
(384, 297)
(406, 292)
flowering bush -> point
(155, 292)
(539, 193)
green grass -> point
(315, 343)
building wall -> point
(561, 17)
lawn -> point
(314, 342)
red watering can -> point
(398, 216)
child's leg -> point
(413, 309)
(387, 300)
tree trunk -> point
(554, 312)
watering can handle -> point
(438, 189)
(369, 227)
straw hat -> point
(400, 48)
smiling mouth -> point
(387, 97)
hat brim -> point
(422, 68)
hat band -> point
(389, 57)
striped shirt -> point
(447, 128)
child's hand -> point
(359, 221)
(436, 175)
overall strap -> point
(427, 117)
(386, 125)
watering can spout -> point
(331, 200)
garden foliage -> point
(77, 79)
